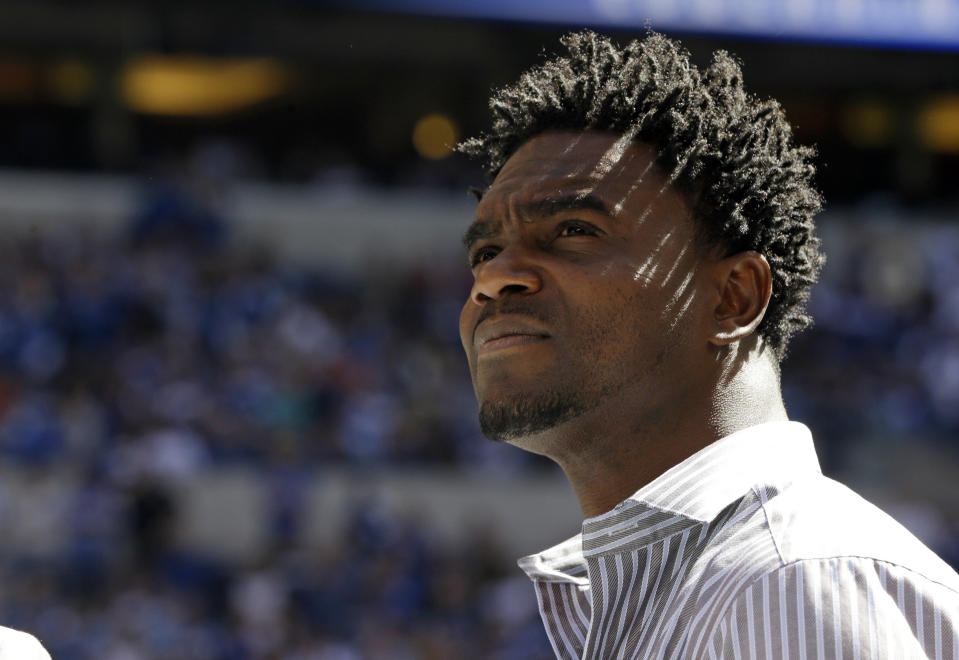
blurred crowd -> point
(386, 591)
(139, 357)
(881, 363)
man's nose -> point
(511, 271)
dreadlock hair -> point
(749, 186)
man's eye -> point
(576, 228)
(481, 255)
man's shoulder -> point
(17, 645)
(819, 518)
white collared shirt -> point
(16, 645)
(745, 550)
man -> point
(641, 258)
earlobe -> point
(744, 287)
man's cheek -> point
(466, 326)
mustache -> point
(513, 307)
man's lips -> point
(499, 333)
(507, 341)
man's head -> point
(635, 202)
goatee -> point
(509, 420)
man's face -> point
(585, 294)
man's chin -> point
(508, 421)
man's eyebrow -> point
(539, 208)
(478, 231)
(553, 205)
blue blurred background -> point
(235, 421)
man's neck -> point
(611, 456)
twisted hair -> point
(749, 186)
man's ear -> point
(744, 284)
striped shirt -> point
(745, 550)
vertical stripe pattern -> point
(745, 550)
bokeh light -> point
(434, 136)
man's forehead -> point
(590, 154)
(564, 164)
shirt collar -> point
(693, 491)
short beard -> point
(510, 420)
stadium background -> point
(234, 418)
